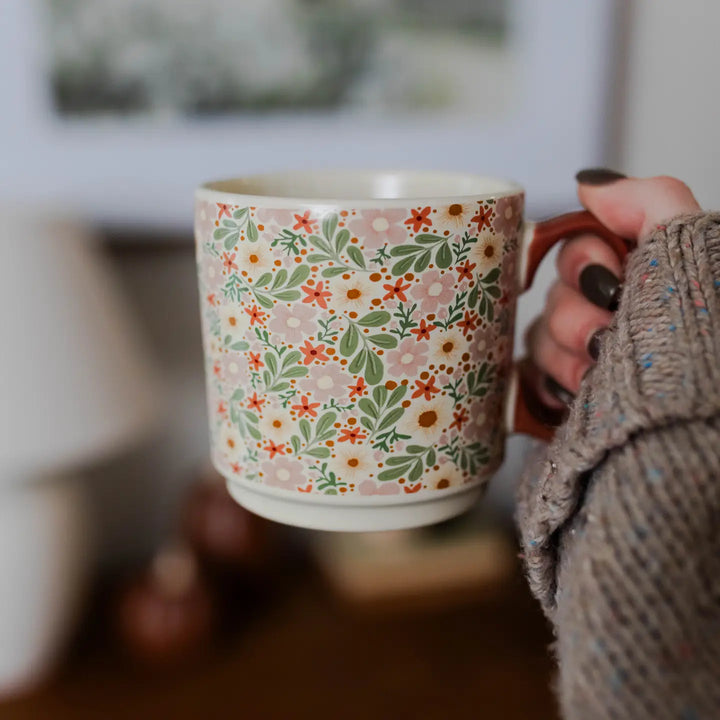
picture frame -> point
(141, 171)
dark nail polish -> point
(558, 391)
(593, 347)
(598, 176)
(600, 286)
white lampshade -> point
(74, 383)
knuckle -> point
(554, 296)
(557, 324)
(673, 186)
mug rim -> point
(219, 190)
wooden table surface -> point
(305, 655)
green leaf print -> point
(471, 457)
(282, 287)
(281, 365)
(354, 342)
(252, 231)
(230, 229)
(381, 413)
(310, 443)
(421, 252)
(411, 465)
(290, 242)
(376, 318)
(335, 247)
(328, 482)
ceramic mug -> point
(358, 337)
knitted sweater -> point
(620, 518)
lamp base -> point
(44, 563)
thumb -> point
(633, 207)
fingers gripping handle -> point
(537, 240)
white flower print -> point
(454, 217)
(234, 321)
(446, 476)
(425, 420)
(276, 424)
(232, 445)
(447, 347)
(352, 293)
(254, 258)
(353, 462)
(486, 253)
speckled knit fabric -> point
(620, 518)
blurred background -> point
(124, 565)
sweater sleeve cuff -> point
(659, 364)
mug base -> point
(354, 518)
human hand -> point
(565, 340)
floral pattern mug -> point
(358, 332)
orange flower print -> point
(465, 271)
(316, 295)
(304, 222)
(306, 489)
(255, 361)
(255, 403)
(396, 291)
(306, 407)
(351, 434)
(235, 467)
(222, 408)
(459, 419)
(469, 322)
(409, 489)
(358, 388)
(313, 353)
(256, 315)
(419, 218)
(274, 449)
(223, 209)
(216, 369)
(212, 299)
(425, 388)
(229, 261)
(423, 330)
(483, 217)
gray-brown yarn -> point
(620, 519)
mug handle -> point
(526, 413)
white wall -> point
(672, 94)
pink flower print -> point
(484, 340)
(211, 274)
(204, 222)
(274, 217)
(369, 487)
(434, 289)
(482, 415)
(375, 228)
(233, 368)
(294, 323)
(282, 472)
(407, 358)
(326, 381)
(508, 212)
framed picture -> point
(117, 109)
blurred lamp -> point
(74, 388)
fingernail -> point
(593, 346)
(598, 176)
(600, 286)
(558, 391)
